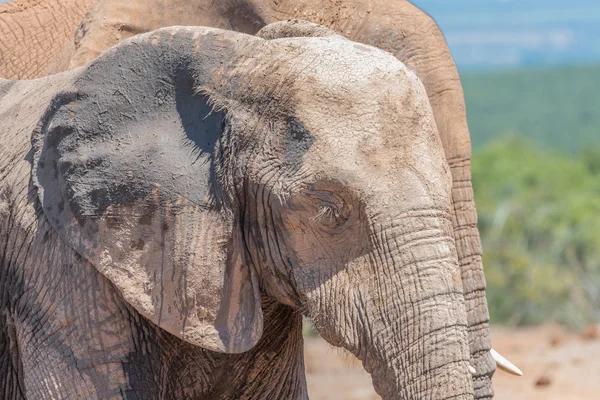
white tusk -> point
(504, 364)
(472, 370)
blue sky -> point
(512, 33)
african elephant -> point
(397, 27)
(169, 211)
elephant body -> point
(398, 27)
(36, 36)
(170, 210)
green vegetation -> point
(554, 108)
(538, 192)
(539, 218)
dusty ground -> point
(556, 365)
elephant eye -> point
(330, 216)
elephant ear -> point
(125, 169)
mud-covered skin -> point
(150, 249)
(63, 322)
(397, 27)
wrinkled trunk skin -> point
(437, 70)
(469, 250)
(439, 74)
(400, 310)
(37, 36)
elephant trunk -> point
(423, 49)
(468, 246)
(407, 321)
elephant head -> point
(199, 169)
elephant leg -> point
(273, 369)
(71, 335)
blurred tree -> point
(539, 216)
(591, 159)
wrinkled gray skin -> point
(153, 249)
(38, 38)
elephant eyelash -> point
(332, 212)
(327, 212)
(330, 217)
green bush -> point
(539, 218)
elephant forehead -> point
(342, 84)
(354, 104)
(336, 64)
(373, 128)
(368, 118)
(413, 173)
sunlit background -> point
(497, 34)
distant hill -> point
(557, 108)
(517, 33)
